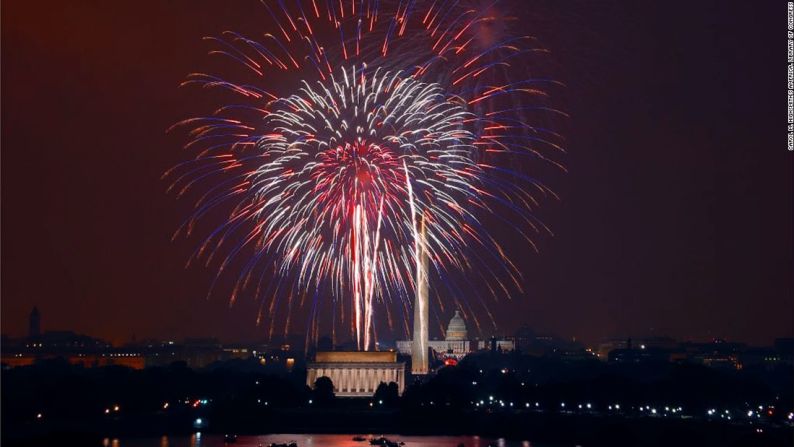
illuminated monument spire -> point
(419, 360)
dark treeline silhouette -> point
(551, 382)
(488, 393)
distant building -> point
(455, 345)
(132, 360)
(654, 347)
(525, 337)
(195, 352)
(717, 354)
(646, 355)
(504, 344)
(357, 374)
(34, 324)
(541, 344)
(200, 352)
(77, 349)
(456, 330)
(764, 357)
(64, 342)
(605, 347)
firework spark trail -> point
(335, 190)
(389, 111)
(372, 279)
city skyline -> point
(438, 337)
(446, 223)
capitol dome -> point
(457, 328)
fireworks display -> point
(352, 123)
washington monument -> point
(419, 360)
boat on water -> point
(229, 439)
(359, 438)
(384, 442)
(285, 444)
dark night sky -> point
(675, 218)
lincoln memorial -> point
(357, 374)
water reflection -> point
(199, 439)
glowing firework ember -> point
(342, 144)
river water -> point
(308, 440)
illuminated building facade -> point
(357, 374)
(456, 343)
